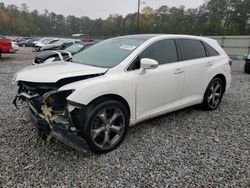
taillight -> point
(230, 62)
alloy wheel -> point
(215, 93)
(108, 128)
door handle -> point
(209, 64)
(179, 71)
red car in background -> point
(5, 46)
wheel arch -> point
(223, 79)
(111, 97)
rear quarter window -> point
(191, 49)
(210, 50)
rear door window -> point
(191, 49)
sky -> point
(98, 8)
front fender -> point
(88, 90)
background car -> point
(247, 64)
(42, 41)
(5, 46)
(45, 42)
(15, 46)
(27, 42)
(17, 39)
(59, 55)
(21, 39)
(60, 44)
(76, 48)
(51, 56)
(39, 41)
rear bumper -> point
(12, 50)
(6, 51)
(58, 131)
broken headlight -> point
(57, 100)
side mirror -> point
(147, 63)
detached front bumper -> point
(60, 126)
(58, 131)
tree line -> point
(213, 17)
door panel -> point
(159, 89)
(195, 73)
(196, 63)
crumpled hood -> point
(55, 71)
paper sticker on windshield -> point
(128, 47)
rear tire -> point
(106, 125)
(23, 45)
(213, 94)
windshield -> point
(74, 48)
(59, 42)
(52, 41)
(108, 53)
(41, 40)
(28, 40)
(46, 41)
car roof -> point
(151, 36)
(45, 54)
(139, 36)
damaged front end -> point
(53, 114)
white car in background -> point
(39, 41)
(91, 101)
(61, 44)
(44, 42)
(15, 46)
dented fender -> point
(88, 90)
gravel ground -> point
(188, 148)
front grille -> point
(36, 88)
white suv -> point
(92, 99)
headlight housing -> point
(57, 99)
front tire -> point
(106, 126)
(213, 94)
